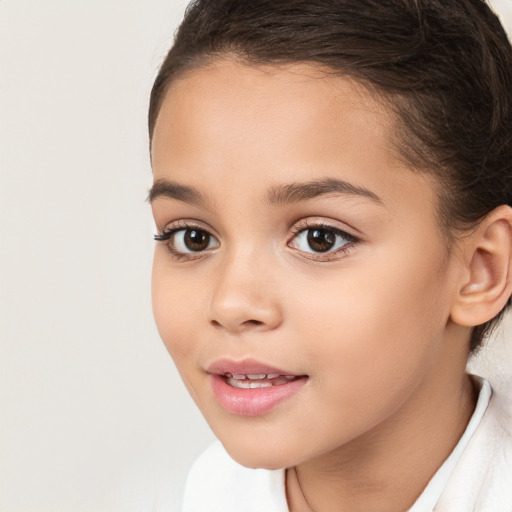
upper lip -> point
(244, 367)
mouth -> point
(259, 380)
(250, 388)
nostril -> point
(247, 324)
(250, 323)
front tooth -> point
(254, 385)
(272, 375)
(239, 383)
(239, 376)
(258, 376)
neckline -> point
(435, 487)
(432, 492)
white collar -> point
(432, 492)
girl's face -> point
(296, 244)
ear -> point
(486, 283)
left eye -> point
(187, 240)
(193, 240)
(321, 239)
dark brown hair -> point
(444, 67)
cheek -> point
(174, 317)
(368, 340)
(365, 318)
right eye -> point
(190, 240)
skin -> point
(387, 397)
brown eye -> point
(196, 239)
(183, 241)
(321, 240)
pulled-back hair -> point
(444, 67)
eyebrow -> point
(172, 190)
(277, 195)
(296, 192)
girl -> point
(331, 191)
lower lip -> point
(256, 401)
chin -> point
(255, 456)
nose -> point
(244, 297)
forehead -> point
(260, 126)
(249, 102)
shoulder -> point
(217, 483)
(483, 476)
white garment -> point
(476, 477)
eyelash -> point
(307, 225)
(167, 234)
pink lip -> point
(244, 367)
(255, 401)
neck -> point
(387, 468)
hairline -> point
(388, 100)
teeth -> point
(257, 381)
(239, 383)
(257, 376)
(247, 384)
(254, 385)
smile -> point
(258, 381)
(250, 388)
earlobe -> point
(487, 282)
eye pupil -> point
(321, 240)
(196, 239)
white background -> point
(93, 416)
